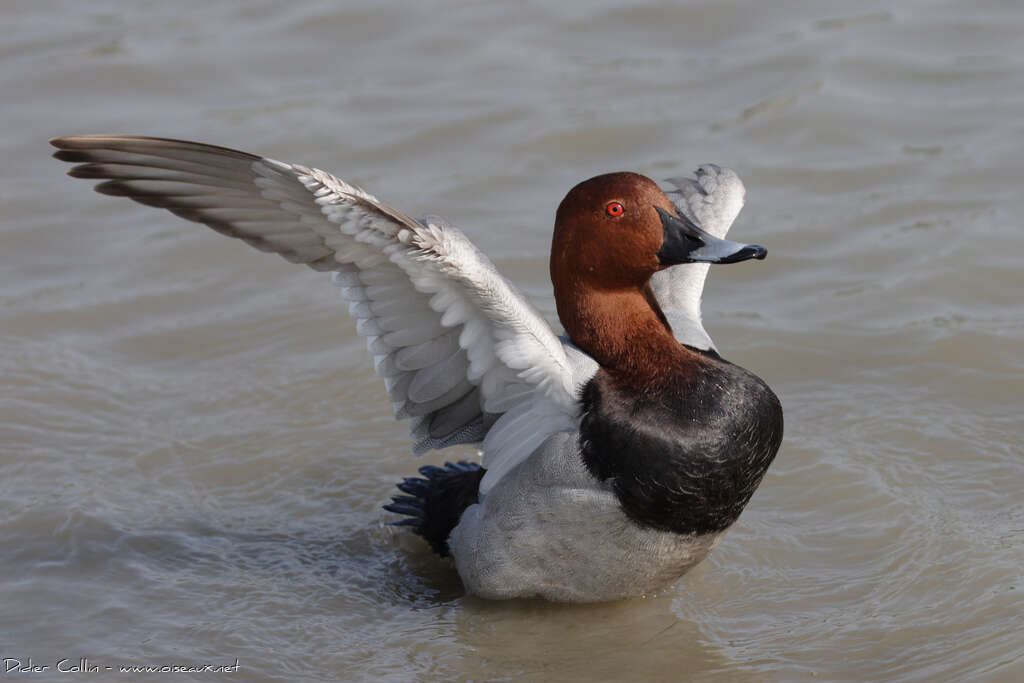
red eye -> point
(614, 210)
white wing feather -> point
(712, 200)
(463, 354)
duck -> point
(614, 457)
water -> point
(194, 450)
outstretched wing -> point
(463, 354)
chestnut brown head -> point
(614, 231)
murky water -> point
(194, 449)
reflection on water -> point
(194, 450)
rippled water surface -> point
(194, 449)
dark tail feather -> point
(435, 502)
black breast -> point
(686, 453)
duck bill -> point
(684, 242)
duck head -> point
(612, 233)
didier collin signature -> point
(82, 664)
(65, 665)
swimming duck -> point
(614, 457)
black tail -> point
(436, 502)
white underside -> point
(548, 529)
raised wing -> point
(712, 199)
(463, 354)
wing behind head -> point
(712, 199)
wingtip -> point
(72, 141)
(69, 144)
(60, 142)
(132, 143)
(66, 152)
(82, 139)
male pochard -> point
(614, 458)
